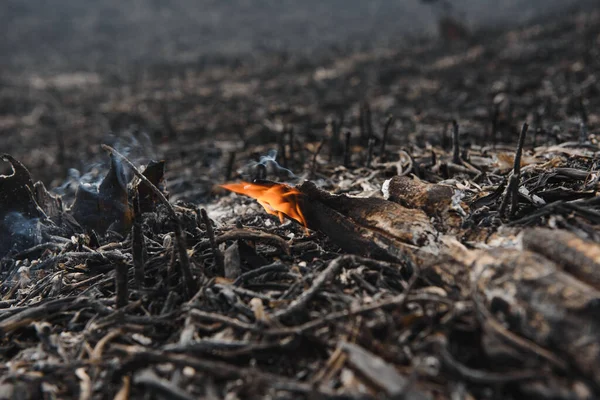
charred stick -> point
(583, 130)
(347, 151)
(213, 243)
(313, 167)
(361, 122)
(282, 152)
(160, 386)
(167, 123)
(495, 116)
(512, 189)
(368, 123)
(455, 143)
(184, 261)
(395, 301)
(537, 118)
(230, 164)
(370, 152)
(291, 143)
(386, 129)
(333, 140)
(247, 234)
(138, 245)
(332, 269)
(255, 273)
(169, 306)
(121, 284)
(60, 138)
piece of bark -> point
(49, 203)
(155, 172)
(434, 199)
(412, 193)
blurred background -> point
(41, 35)
(211, 86)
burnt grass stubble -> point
(207, 295)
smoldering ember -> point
(420, 222)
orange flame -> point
(276, 198)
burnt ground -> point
(211, 121)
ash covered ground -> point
(212, 90)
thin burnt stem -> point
(313, 167)
(347, 151)
(455, 143)
(386, 130)
(333, 141)
(512, 190)
(361, 122)
(368, 121)
(184, 261)
(138, 244)
(291, 144)
(60, 139)
(537, 127)
(230, 164)
(370, 152)
(213, 243)
(282, 153)
(121, 284)
(495, 115)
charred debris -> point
(375, 254)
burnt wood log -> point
(370, 226)
(536, 300)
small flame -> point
(276, 198)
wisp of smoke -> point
(19, 232)
(271, 166)
(137, 147)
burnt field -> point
(414, 221)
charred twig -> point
(368, 121)
(213, 243)
(395, 301)
(230, 164)
(38, 312)
(583, 127)
(121, 284)
(370, 151)
(313, 167)
(158, 385)
(455, 143)
(347, 151)
(495, 115)
(282, 148)
(246, 234)
(333, 269)
(291, 144)
(386, 130)
(275, 267)
(184, 261)
(144, 356)
(138, 245)
(512, 189)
